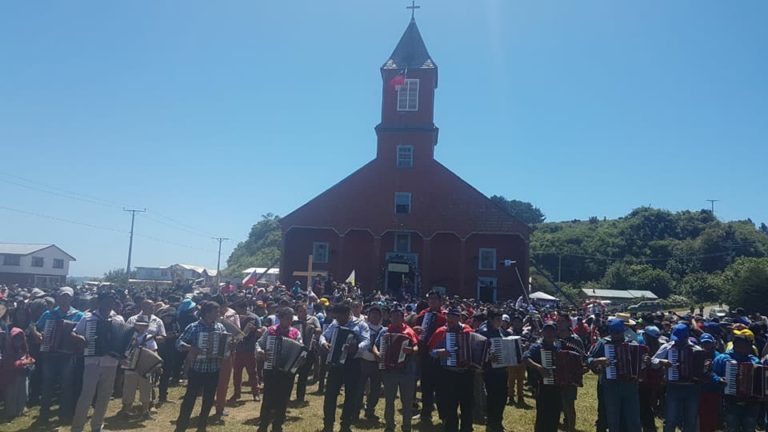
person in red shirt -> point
(427, 322)
(456, 384)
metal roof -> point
(619, 294)
(28, 248)
(410, 52)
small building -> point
(271, 277)
(172, 273)
(33, 265)
(619, 296)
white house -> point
(33, 265)
(183, 272)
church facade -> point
(404, 222)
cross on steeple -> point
(413, 8)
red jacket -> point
(439, 336)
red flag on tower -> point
(399, 80)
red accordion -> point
(625, 361)
(392, 354)
(687, 365)
(566, 367)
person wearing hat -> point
(403, 379)
(150, 330)
(682, 398)
(346, 375)
(429, 366)
(548, 397)
(711, 398)
(278, 384)
(100, 369)
(741, 415)
(456, 385)
(58, 367)
(618, 400)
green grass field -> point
(243, 416)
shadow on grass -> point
(257, 421)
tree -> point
(640, 277)
(763, 228)
(703, 287)
(262, 247)
(117, 277)
(522, 210)
(748, 283)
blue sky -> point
(210, 114)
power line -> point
(130, 242)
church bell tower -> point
(409, 80)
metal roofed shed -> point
(619, 296)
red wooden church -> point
(404, 222)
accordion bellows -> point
(284, 354)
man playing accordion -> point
(278, 383)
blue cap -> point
(652, 331)
(679, 333)
(713, 328)
(615, 325)
(706, 337)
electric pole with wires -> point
(130, 242)
(218, 261)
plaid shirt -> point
(190, 337)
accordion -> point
(566, 368)
(143, 361)
(107, 337)
(57, 336)
(342, 337)
(391, 354)
(213, 344)
(428, 324)
(467, 350)
(625, 361)
(506, 352)
(746, 380)
(687, 365)
(284, 354)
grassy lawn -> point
(243, 416)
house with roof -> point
(404, 222)
(174, 272)
(33, 265)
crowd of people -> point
(654, 365)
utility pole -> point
(130, 242)
(559, 267)
(712, 205)
(218, 261)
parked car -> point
(718, 313)
(646, 306)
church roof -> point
(410, 52)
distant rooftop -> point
(619, 294)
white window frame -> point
(320, 259)
(42, 262)
(404, 162)
(408, 95)
(404, 194)
(480, 259)
(58, 261)
(408, 249)
(483, 281)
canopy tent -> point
(540, 295)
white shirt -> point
(156, 328)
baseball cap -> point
(706, 337)
(67, 290)
(652, 331)
(550, 325)
(679, 333)
(506, 318)
(453, 310)
(615, 325)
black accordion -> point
(342, 337)
(467, 350)
(107, 337)
(688, 365)
(625, 361)
(284, 354)
(506, 351)
(213, 344)
(57, 336)
(566, 368)
(428, 326)
(391, 353)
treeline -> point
(689, 256)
